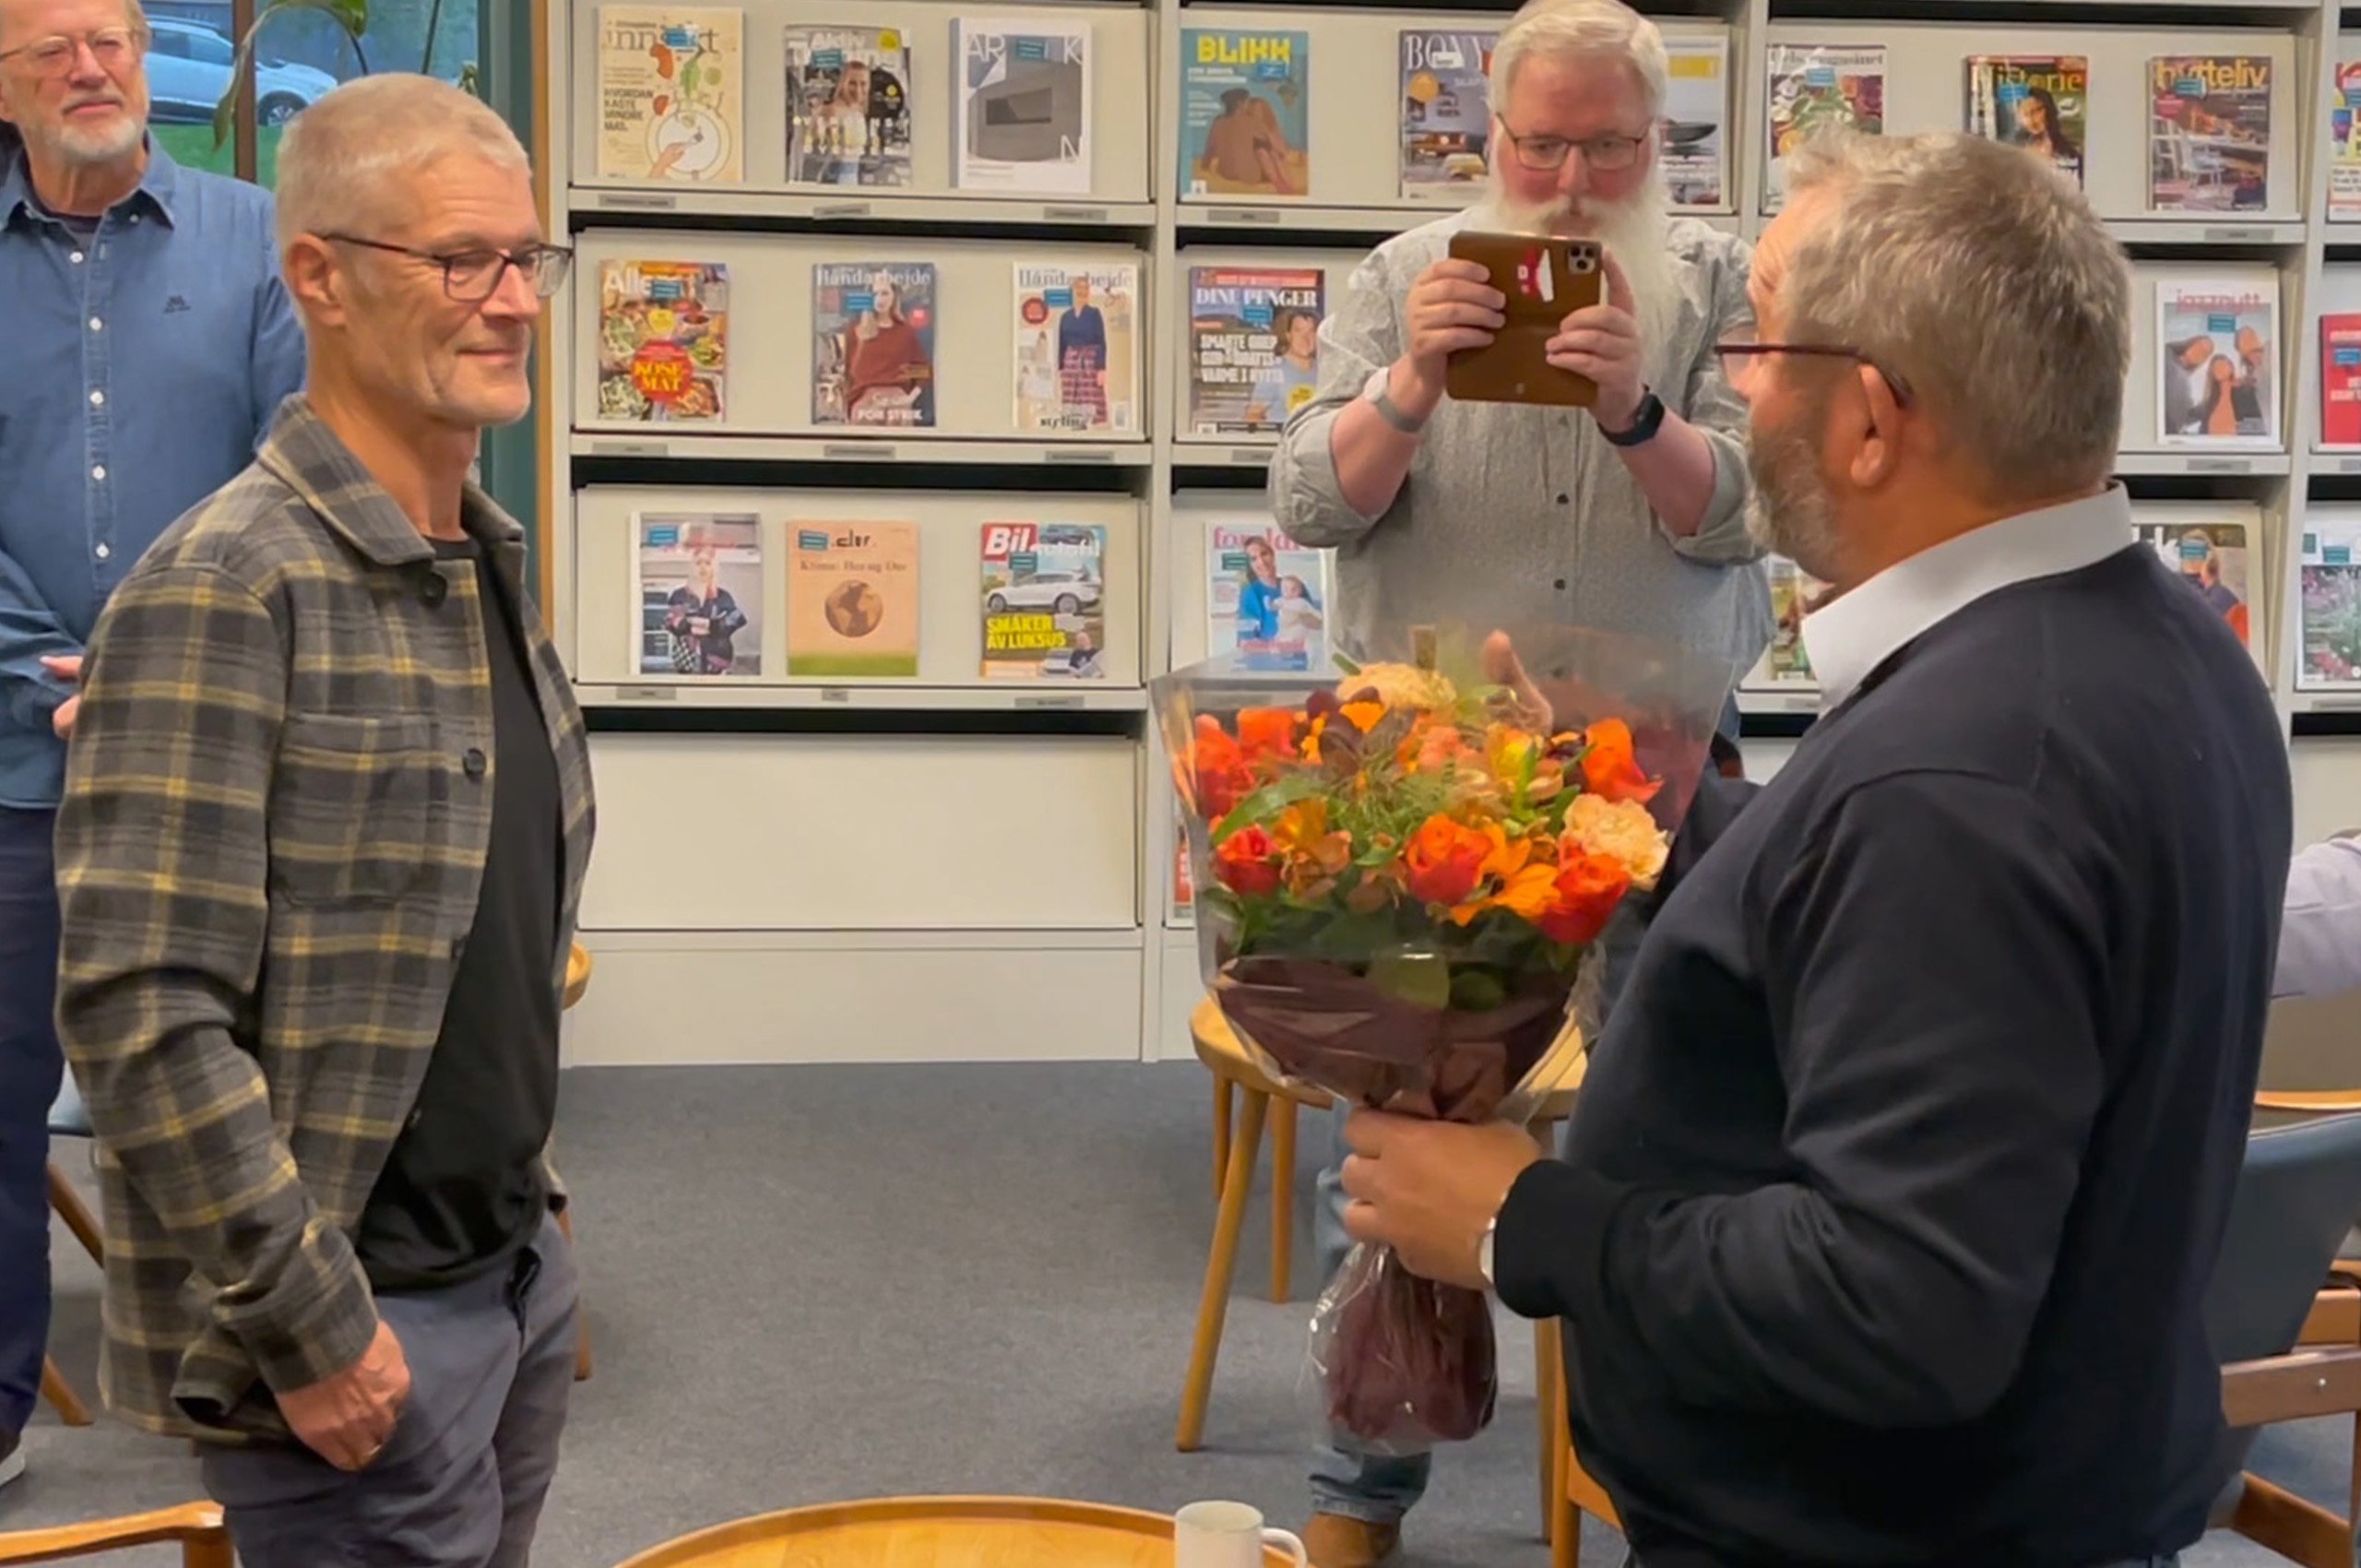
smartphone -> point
(1544, 280)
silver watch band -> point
(1387, 409)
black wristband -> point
(1646, 422)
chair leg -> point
(77, 1215)
(1222, 1101)
(1221, 1264)
(60, 1396)
(1282, 1198)
(1545, 1409)
(1565, 1519)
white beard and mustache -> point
(1634, 231)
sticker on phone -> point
(1534, 278)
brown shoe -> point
(1334, 1540)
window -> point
(300, 53)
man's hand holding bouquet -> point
(1401, 876)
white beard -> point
(1634, 230)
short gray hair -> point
(334, 157)
(1979, 277)
(1553, 29)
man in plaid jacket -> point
(327, 813)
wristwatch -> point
(1387, 409)
(1646, 421)
(1484, 1252)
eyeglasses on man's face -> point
(115, 49)
(1542, 154)
(1738, 353)
(471, 277)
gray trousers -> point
(461, 1480)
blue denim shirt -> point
(142, 371)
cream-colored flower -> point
(1401, 685)
(1623, 831)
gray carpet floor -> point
(811, 1284)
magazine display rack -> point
(868, 524)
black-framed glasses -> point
(1542, 154)
(1744, 350)
(472, 276)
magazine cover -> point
(671, 93)
(2212, 559)
(873, 343)
(1695, 156)
(853, 599)
(663, 340)
(1784, 665)
(1253, 346)
(1077, 348)
(2038, 101)
(1266, 597)
(2340, 379)
(1045, 601)
(2218, 364)
(1024, 107)
(2329, 574)
(848, 98)
(1245, 113)
(1813, 85)
(2344, 145)
(2208, 132)
(700, 593)
(1446, 116)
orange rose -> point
(1266, 732)
(1244, 862)
(1222, 773)
(1445, 860)
(1588, 888)
(1610, 765)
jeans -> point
(461, 1480)
(1381, 1489)
(30, 1071)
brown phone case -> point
(1543, 279)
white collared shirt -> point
(1852, 635)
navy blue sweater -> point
(1896, 1184)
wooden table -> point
(934, 1532)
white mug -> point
(1228, 1535)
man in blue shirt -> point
(150, 341)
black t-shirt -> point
(462, 1189)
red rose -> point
(1244, 862)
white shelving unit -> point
(947, 868)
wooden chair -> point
(2297, 1192)
(1234, 1071)
(194, 1527)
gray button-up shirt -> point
(1517, 515)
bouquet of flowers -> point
(1401, 876)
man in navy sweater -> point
(1898, 1177)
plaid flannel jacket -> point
(278, 800)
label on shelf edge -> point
(2348, 464)
(836, 694)
(2219, 465)
(2236, 236)
(646, 201)
(1250, 456)
(1072, 700)
(645, 694)
(1077, 454)
(1074, 214)
(840, 209)
(859, 449)
(630, 449)
(1242, 215)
